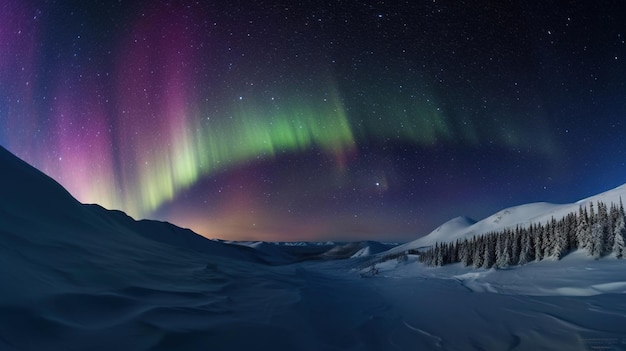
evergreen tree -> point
(454, 252)
(478, 249)
(438, 253)
(559, 247)
(547, 239)
(583, 231)
(489, 258)
(605, 238)
(613, 217)
(504, 259)
(526, 248)
(464, 251)
(595, 246)
(516, 244)
(499, 249)
(426, 257)
(619, 232)
(570, 231)
(538, 247)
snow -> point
(576, 274)
(523, 215)
(79, 277)
(283, 253)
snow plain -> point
(79, 277)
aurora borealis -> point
(315, 121)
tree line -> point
(599, 230)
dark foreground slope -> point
(32, 205)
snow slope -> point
(523, 215)
(370, 248)
(79, 277)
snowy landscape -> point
(312, 175)
(79, 277)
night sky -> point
(304, 120)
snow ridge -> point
(522, 215)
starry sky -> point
(309, 120)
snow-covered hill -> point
(35, 207)
(523, 215)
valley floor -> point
(574, 304)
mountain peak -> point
(460, 221)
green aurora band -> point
(199, 144)
(253, 130)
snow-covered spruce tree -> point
(475, 252)
(447, 253)
(570, 231)
(613, 216)
(592, 214)
(516, 244)
(618, 237)
(589, 241)
(503, 248)
(583, 230)
(606, 236)
(559, 247)
(440, 254)
(620, 232)
(489, 258)
(454, 252)
(450, 254)
(426, 257)
(595, 246)
(434, 252)
(547, 239)
(464, 253)
(478, 252)
(538, 243)
(499, 239)
(430, 258)
(525, 249)
(596, 241)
